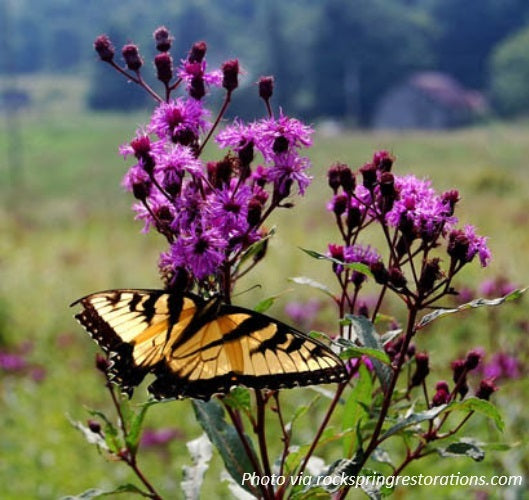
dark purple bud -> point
(450, 198)
(441, 397)
(473, 358)
(141, 190)
(230, 71)
(485, 389)
(387, 185)
(132, 57)
(334, 176)
(164, 67)
(94, 426)
(411, 350)
(255, 209)
(422, 361)
(283, 188)
(347, 179)
(280, 145)
(197, 89)
(380, 273)
(246, 153)
(442, 385)
(336, 252)
(163, 39)
(148, 163)
(266, 87)
(431, 272)
(172, 182)
(197, 52)
(340, 204)
(369, 175)
(103, 46)
(458, 245)
(354, 217)
(383, 160)
(102, 363)
(184, 136)
(363, 310)
(141, 146)
(458, 369)
(396, 278)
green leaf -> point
(264, 304)
(481, 406)
(354, 351)
(255, 248)
(465, 448)
(225, 438)
(201, 452)
(366, 334)
(355, 409)
(439, 313)
(305, 281)
(413, 419)
(135, 426)
(239, 399)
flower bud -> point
(380, 273)
(230, 71)
(141, 146)
(472, 359)
(369, 175)
(387, 184)
(94, 426)
(442, 394)
(458, 245)
(254, 212)
(103, 46)
(246, 153)
(430, 273)
(354, 217)
(450, 198)
(396, 278)
(340, 204)
(197, 52)
(485, 389)
(280, 145)
(422, 361)
(334, 176)
(164, 67)
(383, 161)
(197, 88)
(141, 190)
(132, 57)
(458, 369)
(266, 87)
(347, 179)
(163, 39)
(102, 363)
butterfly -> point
(197, 347)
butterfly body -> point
(197, 348)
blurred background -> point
(443, 85)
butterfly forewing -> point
(197, 348)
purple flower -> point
(181, 159)
(159, 437)
(160, 206)
(477, 245)
(287, 169)
(238, 135)
(496, 287)
(11, 362)
(303, 313)
(178, 116)
(360, 253)
(189, 71)
(200, 251)
(501, 365)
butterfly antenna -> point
(247, 290)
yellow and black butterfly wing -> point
(197, 349)
(136, 328)
(230, 345)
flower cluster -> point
(416, 222)
(210, 212)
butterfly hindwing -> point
(197, 349)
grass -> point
(67, 230)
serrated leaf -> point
(239, 399)
(366, 334)
(413, 419)
(481, 406)
(225, 438)
(464, 448)
(306, 281)
(201, 452)
(355, 409)
(439, 313)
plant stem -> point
(261, 435)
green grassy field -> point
(67, 230)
